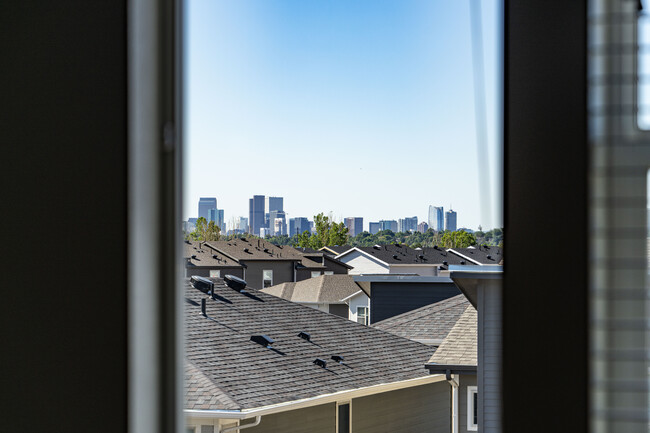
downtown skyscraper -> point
(205, 204)
(450, 220)
(354, 225)
(436, 218)
(256, 214)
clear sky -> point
(359, 108)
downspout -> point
(453, 381)
(258, 420)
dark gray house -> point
(255, 359)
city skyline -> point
(357, 120)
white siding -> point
(361, 300)
(429, 271)
(489, 356)
(363, 264)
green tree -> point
(327, 233)
(206, 231)
(458, 239)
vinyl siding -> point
(424, 408)
(393, 298)
(465, 381)
(317, 419)
(489, 357)
(282, 272)
(363, 264)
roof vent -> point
(462, 262)
(304, 335)
(489, 257)
(377, 247)
(193, 256)
(202, 284)
(187, 241)
(204, 313)
(245, 250)
(420, 256)
(234, 282)
(337, 358)
(445, 263)
(243, 239)
(266, 250)
(435, 247)
(395, 256)
(320, 362)
(264, 340)
(214, 256)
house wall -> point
(392, 298)
(424, 408)
(429, 271)
(465, 380)
(317, 419)
(363, 264)
(361, 300)
(340, 310)
(489, 356)
(320, 307)
(283, 272)
(335, 267)
(305, 274)
(205, 272)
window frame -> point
(328, 272)
(366, 314)
(217, 272)
(315, 274)
(341, 403)
(471, 408)
(264, 271)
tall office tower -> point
(242, 224)
(450, 220)
(374, 227)
(298, 225)
(436, 218)
(388, 225)
(423, 227)
(277, 215)
(256, 214)
(410, 224)
(205, 204)
(401, 225)
(354, 225)
(274, 203)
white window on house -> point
(343, 418)
(215, 273)
(315, 274)
(207, 429)
(267, 278)
(472, 408)
(328, 273)
(362, 315)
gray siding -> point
(465, 381)
(424, 408)
(489, 356)
(335, 267)
(305, 274)
(282, 272)
(317, 419)
(339, 310)
(390, 299)
(205, 272)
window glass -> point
(267, 277)
(472, 408)
(328, 273)
(215, 273)
(343, 418)
(362, 315)
(315, 274)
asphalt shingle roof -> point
(404, 255)
(222, 357)
(431, 322)
(326, 289)
(255, 249)
(461, 345)
(198, 254)
(481, 253)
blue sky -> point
(361, 108)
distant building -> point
(374, 228)
(205, 204)
(241, 224)
(423, 227)
(388, 225)
(407, 224)
(274, 203)
(436, 218)
(282, 228)
(256, 213)
(354, 225)
(264, 232)
(450, 220)
(216, 215)
(298, 225)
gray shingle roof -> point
(431, 322)
(461, 345)
(254, 249)
(199, 254)
(248, 375)
(404, 255)
(480, 254)
(326, 289)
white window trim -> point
(263, 278)
(315, 274)
(367, 315)
(471, 390)
(338, 403)
(217, 272)
(328, 273)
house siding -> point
(428, 271)
(363, 264)
(282, 272)
(489, 357)
(317, 419)
(392, 298)
(361, 300)
(424, 408)
(340, 310)
(464, 382)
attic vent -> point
(435, 247)
(214, 256)
(264, 340)
(337, 358)
(462, 262)
(320, 362)
(304, 336)
(245, 250)
(194, 256)
(266, 250)
(395, 256)
(377, 247)
(187, 241)
(489, 257)
(202, 284)
(420, 256)
(235, 283)
(445, 263)
(243, 239)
